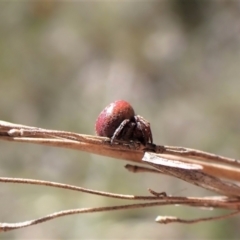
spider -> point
(119, 122)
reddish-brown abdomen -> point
(112, 116)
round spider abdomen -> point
(112, 116)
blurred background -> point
(176, 62)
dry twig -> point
(197, 167)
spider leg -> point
(143, 136)
(118, 132)
(150, 134)
(127, 133)
(145, 129)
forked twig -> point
(158, 199)
(196, 167)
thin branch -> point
(171, 219)
(12, 226)
(219, 201)
(76, 188)
(197, 154)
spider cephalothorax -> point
(119, 122)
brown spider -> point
(119, 122)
